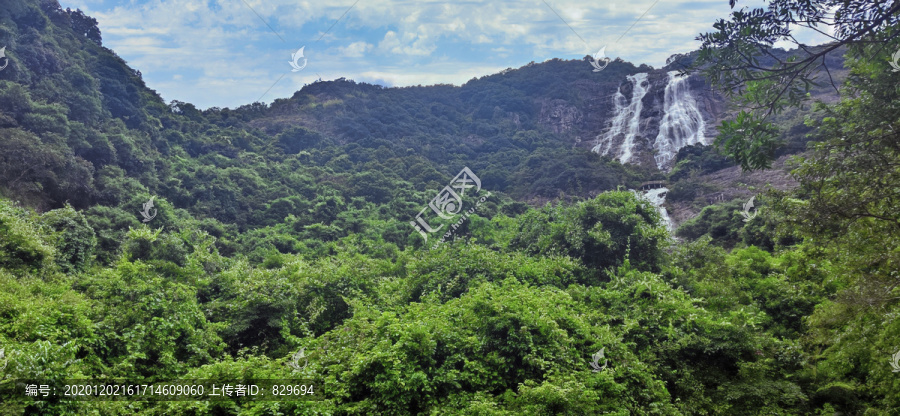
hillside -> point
(522, 130)
(148, 242)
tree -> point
(847, 197)
(738, 58)
(27, 167)
(601, 232)
(22, 243)
(848, 194)
(75, 239)
(85, 25)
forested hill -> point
(148, 242)
(100, 127)
(82, 128)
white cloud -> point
(411, 44)
(356, 49)
(433, 74)
(222, 54)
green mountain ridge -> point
(109, 138)
(290, 227)
(493, 125)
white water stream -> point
(682, 124)
(626, 121)
(657, 197)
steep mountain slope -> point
(636, 115)
(281, 245)
(80, 127)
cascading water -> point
(618, 124)
(682, 124)
(626, 120)
(657, 197)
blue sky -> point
(220, 53)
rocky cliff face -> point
(559, 116)
(642, 115)
(643, 120)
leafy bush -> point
(721, 222)
(601, 232)
(74, 240)
(23, 245)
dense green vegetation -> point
(287, 226)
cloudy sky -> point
(227, 53)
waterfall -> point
(681, 125)
(657, 197)
(618, 124)
(626, 121)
